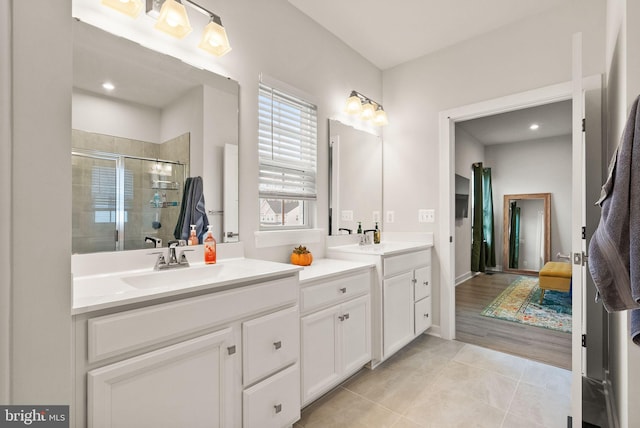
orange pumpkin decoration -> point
(301, 256)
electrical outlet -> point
(427, 216)
(390, 216)
(346, 215)
(376, 216)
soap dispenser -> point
(359, 231)
(209, 247)
(193, 238)
(376, 235)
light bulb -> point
(368, 111)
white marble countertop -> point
(102, 291)
(387, 248)
(326, 268)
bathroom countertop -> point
(387, 248)
(327, 268)
(103, 291)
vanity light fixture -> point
(173, 19)
(214, 38)
(129, 7)
(358, 104)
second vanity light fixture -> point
(358, 104)
(173, 20)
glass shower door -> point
(94, 215)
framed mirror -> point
(355, 171)
(527, 232)
(136, 141)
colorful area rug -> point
(520, 303)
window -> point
(287, 145)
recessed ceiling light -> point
(108, 86)
(534, 126)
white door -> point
(397, 312)
(320, 365)
(578, 245)
(183, 385)
(355, 334)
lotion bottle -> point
(209, 247)
(193, 238)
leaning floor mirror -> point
(527, 232)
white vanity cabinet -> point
(401, 297)
(226, 358)
(335, 326)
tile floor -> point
(438, 383)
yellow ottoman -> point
(555, 276)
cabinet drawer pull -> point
(343, 317)
(277, 344)
(278, 408)
(231, 350)
(346, 316)
(343, 290)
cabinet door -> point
(184, 385)
(397, 312)
(320, 365)
(422, 286)
(423, 315)
(355, 334)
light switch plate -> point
(426, 216)
(390, 216)
(346, 215)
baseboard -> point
(434, 330)
(609, 398)
(464, 277)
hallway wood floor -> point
(535, 343)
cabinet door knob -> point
(426, 283)
(277, 344)
(277, 408)
(426, 315)
(346, 316)
(414, 280)
(341, 317)
(343, 290)
(231, 349)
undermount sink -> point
(168, 278)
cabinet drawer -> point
(334, 291)
(270, 343)
(397, 264)
(126, 331)
(422, 286)
(274, 402)
(423, 315)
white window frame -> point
(287, 149)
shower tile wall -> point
(93, 235)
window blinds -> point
(287, 144)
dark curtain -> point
(483, 251)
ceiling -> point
(513, 127)
(391, 33)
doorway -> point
(528, 152)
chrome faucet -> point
(172, 261)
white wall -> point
(530, 54)
(468, 151)
(108, 116)
(540, 166)
(40, 203)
